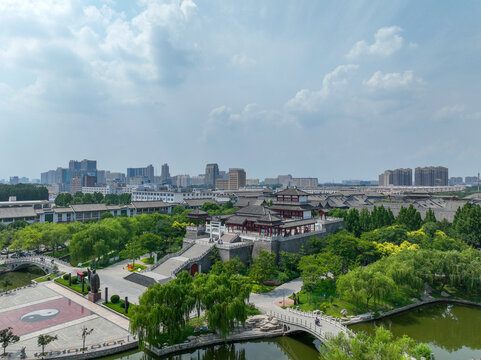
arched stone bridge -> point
(294, 320)
(46, 263)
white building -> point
(171, 196)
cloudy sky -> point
(333, 89)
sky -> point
(328, 89)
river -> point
(297, 347)
(451, 330)
(21, 277)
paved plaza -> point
(51, 309)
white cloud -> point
(450, 111)
(242, 60)
(307, 100)
(387, 42)
(392, 81)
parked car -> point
(15, 256)
(4, 251)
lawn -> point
(46, 277)
(119, 307)
(148, 260)
(333, 305)
(256, 288)
(57, 254)
(137, 268)
(75, 287)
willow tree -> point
(225, 299)
(163, 308)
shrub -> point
(115, 299)
(65, 277)
(74, 280)
(88, 287)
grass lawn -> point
(119, 307)
(260, 290)
(46, 277)
(76, 287)
(148, 260)
(332, 305)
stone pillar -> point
(83, 284)
(126, 305)
(69, 279)
(106, 295)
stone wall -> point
(244, 253)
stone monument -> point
(94, 280)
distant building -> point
(397, 177)
(431, 176)
(63, 176)
(237, 179)
(455, 181)
(211, 174)
(471, 180)
(197, 180)
(181, 181)
(285, 180)
(14, 180)
(48, 177)
(114, 177)
(146, 172)
(165, 174)
(271, 181)
(305, 182)
(101, 177)
(252, 182)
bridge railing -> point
(37, 259)
(309, 326)
(297, 314)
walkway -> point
(172, 266)
(295, 319)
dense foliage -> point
(66, 199)
(165, 309)
(23, 192)
(382, 346)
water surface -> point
(452, 331)
(302, 347)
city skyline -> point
(132, 84)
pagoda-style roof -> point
(270, 219)
(236, 220)
(292, 206)
(293, 191)
(197, 213)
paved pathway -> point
(49, 308)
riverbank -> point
(370, 317)
(257, 327)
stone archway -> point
(194, 269)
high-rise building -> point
(165, 174)
(402, 177)
(455, 180)
(146, 172)
(471, 180)
(182, 181)
(386, 178)
(237, 178)
(397, 177)
(431, 176)
(285, 180)
(88, 165)
(62, 176)
(48, 177)
(211, 173)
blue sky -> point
(336, 90)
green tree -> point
(151, 242)
(98, 197)
(365, 220)
(6, 284)
(352, 222)
(263, 268)
(467, 224)
(382, 346)
(133, 250)
(410, 218)
(7, 337)
(163, 308)
(44, 340)
(63, 199)
(429, 217)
